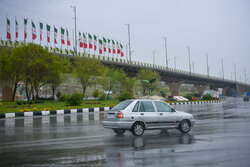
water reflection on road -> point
(219, 138)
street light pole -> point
(245, 75)
(207, 66)
(75, 48)
(166, 51)
(189, 60)
(222, 68)
(175, 62)
(154, 56)
(129, 47)
(235, 72)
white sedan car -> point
(139, 115)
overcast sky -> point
(219, 27)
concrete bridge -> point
(174, 78)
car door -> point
(167, 116)
(147, 114)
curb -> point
(53, 112)
(194, 102)
(74, 111)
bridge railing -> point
(120, 60)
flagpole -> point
(40, 32)
(15, 28)
(73, 40)
(24, 30)
(47, 37)
(6, 28)
(54, 39)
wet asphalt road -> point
(221, 137)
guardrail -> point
(122, 60)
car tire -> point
(137, 129)
(119, 131)
(184, 126)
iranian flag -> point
(33, 31)
(80, 40)
(100, 46)
(109, 45)
(104, 44)
(122, 54)
(41, 31)
(118, 48)
(90, 41)
(113, 46)
(68, 40)
(95, 42)
(84, 41)
(16, 28)
(25, 28)
(48, 32)
(8, 30)
(62, 36)
(55, 35)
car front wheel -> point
(137, 129)
(184, 126)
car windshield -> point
(122, 105)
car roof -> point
(143, 100)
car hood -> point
(184, 114)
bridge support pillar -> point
(175, 88)
(7, 89)
(201, 88)
(225, 91)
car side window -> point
(146, 106)
(162, 107)
(135, 109)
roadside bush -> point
(28, 102)
(102, 97)
(95, 93)
(189, 97)
(125, 96)
(58, 95)
(64, 98)
(207, 97)
(75, 99)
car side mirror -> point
(173, 110)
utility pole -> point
(75, 48)
(189, 60)
(175, 62)
(154, 56)
(129, 44)
(222, 69)
(166, 51)
(207, 66)
(235, 72)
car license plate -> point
(111, 116)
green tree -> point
(11, 67)
(86, 71)
(149, 75)
(128, 85)
(112, 77)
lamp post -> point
(166, 51)
(154, 56)
(75, 48)
(129, 45)
(175, 62)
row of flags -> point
(86, 40)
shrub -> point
(58, 95)
(75, 99)
(64, 98)
(95, 93)
(102, 97)
(125, 96)
(207, 97)
(189, 97)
